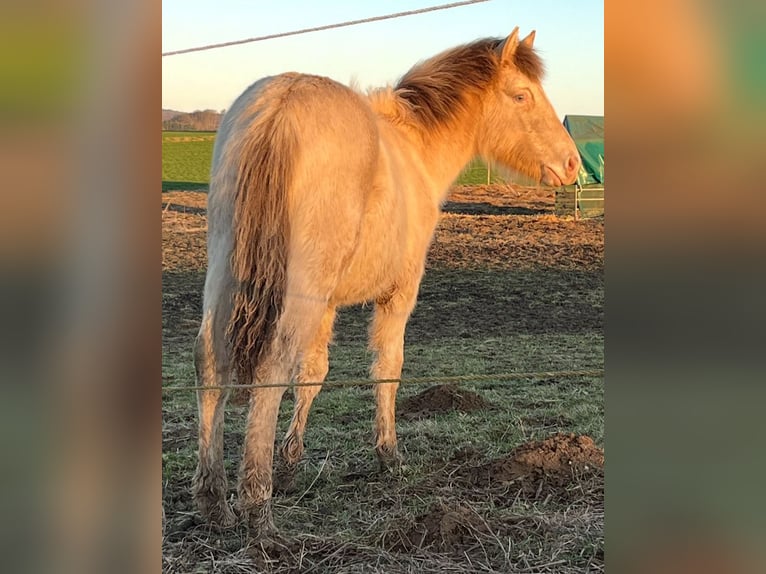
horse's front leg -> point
(387, 341)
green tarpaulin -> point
(588, 135)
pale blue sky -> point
(570, 38)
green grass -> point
(186, 164)
(475, 173)
(341, 499)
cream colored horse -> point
(323, 197)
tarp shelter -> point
(586, 197)
(588, 135)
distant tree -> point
(199, 120)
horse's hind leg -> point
(314, 367)
(387, 340)
(212, 367)
(296, 328)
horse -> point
(322, 196)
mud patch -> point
(541, 468)
(443, 529)
(441, 399)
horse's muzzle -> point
(550, 177)
(567, 176)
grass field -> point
(186, 158)
(509, 287)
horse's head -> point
(519, 127)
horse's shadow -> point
(184, 186)
(483, 208)
(459, 208)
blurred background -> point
(81, 160)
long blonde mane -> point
(437, 91)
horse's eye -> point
(520, 98)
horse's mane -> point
(438, 89)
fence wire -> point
(325, 27)
(343, 383)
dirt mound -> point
(441, 399)
(441, 529)
(541, 466)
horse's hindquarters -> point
(333, 187)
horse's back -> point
(332, 125)
(336, 151)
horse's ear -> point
(509, 46)
(529, 40)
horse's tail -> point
(264, 162)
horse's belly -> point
(368, 275)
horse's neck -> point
(446, 154)
(439, 156)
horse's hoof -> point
(209, 493)
(271, 547)
(226, 517)
(217, 512)
(390, 460)
(260, 521)
(222, 515)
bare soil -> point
(482, 227)
(565, 468)
(444, 528)
(545, 467)
(441, 399)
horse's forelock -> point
(529, 63)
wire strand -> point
(404, 381)
(325, 27)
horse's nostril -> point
(572, 163)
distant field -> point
(186, 158)
(475, 173)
